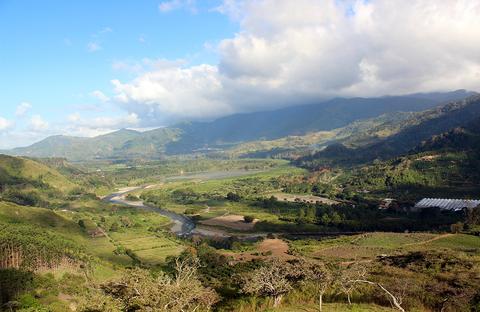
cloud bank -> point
(289, 52)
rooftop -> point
(447, 204)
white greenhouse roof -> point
(447, 204)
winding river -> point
(182, 225)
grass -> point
(392, 240)
(334, 307)
(31, 170)
(458, 242)
(40, 217)
(371, 245)
(150, 249)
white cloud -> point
(289, 52)
(37, 123)
(167, 6)
(93, 46)
(171, 92)
(100, 95)
(89, 127)
(5, 124)
(22, 109)
(105, 123)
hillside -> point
(229, 131)
(416, 129)
(300, 120)
(27, 182)
(15, 170)
(122, 144)
(356, 134)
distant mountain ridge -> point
(228, 131)
(453, 125)
(301, 119)
(124, 143)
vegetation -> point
(338, 234)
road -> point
(182, 225)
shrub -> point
(248, 219)
(233, 197)
(132, 197)
(456, 227)
(81, 223)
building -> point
(446, 204)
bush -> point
(248, 219)
(191, 211)
(233, 197)
(456, 227)
(132, 197)
(81, 223)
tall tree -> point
(270, 280)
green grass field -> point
(371, 245)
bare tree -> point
(271, 280)
(139, 290)
(357, 274)
(320, 276)
(347, 277)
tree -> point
(96, 301)
(233, 197)
(473, 216)
(138, 290)
(81, 223)
(348, 276)
(357, 274)
(456, 227)
(320, 276)
(248, 219)
(270, 280)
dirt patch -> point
(234, 222)
(269, 248)
(277, 247)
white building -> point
(447, 204)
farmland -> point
(244, 220)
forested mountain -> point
(123, 143)
(303, 119)
(418, 129)
(225, 132)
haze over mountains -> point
(342, 120)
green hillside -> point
(119, 144)
(357, 134)
(27, 182)
(22, 170)
(405, 136)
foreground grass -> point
(334, 307)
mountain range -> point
(351, 122)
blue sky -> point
(55, 53)
(88, 67)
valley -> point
(328, 212)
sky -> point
(88, 67)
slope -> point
(416, 129)
(299, 120)
(27, 182)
